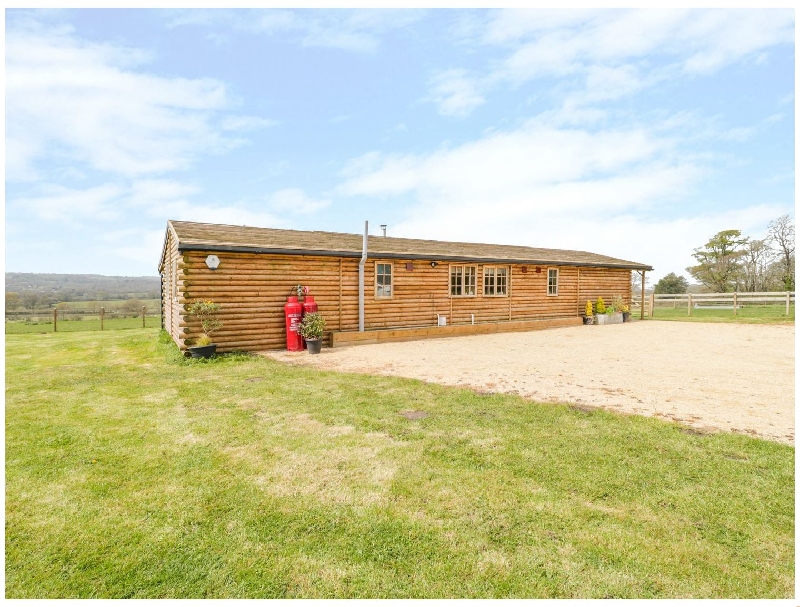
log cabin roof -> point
(193, 236)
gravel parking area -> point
(734, 377)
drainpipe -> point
(361, 279)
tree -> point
(757, 272)
(781, 235)
(719, 266)
(671, 283)
(132, 307)
(13, 300)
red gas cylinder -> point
(309, 305)
(293, 312)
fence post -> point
(652, 304)
(143, 310)
(690, 305)
(734, 303)
(788, 299)
(55, 319)
(102, 314)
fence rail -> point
(71, 319)
(697, 301)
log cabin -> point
(411, 289)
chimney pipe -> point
(383, 227)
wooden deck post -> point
(734, 303)
(652, 304)
(788, 299)
(641, 316)
(55, 319)
(689, 312)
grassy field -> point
(87, 324)
(749, 314)
(131, 472)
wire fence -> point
(75, 319)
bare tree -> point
(781, 236)
(756, 263)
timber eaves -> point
(383, 255)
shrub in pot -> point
(602, 317)
(588, 314)
(205, 311)
(311, 329)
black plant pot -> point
(626, 317)
(203, 351)
(588, 320)
(314, 345)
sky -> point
(631, 133)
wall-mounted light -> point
(524, 269)
(212, 261)
(538, 270)
(434, 264)
(410, 266)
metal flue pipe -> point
(361, 278)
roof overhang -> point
(378, 254)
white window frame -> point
(391, 280)
(550, 292)
(463, 284)
(494, 279)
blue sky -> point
(636, 134)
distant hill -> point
(81, 287)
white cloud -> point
(611, 54)
(607, 191)
(246, 123)
(454, 93)
(71, 206)
(351, 30)
(81, 103)
(295, 200)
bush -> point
(312, 326)
(601, 306)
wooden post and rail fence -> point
(90, 319)
(720, 301)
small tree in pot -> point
(588, 314)
(205, 311)
(311, 329)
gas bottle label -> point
(294, 322)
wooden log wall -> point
(171, 274)
(252, 288)
(605, 283)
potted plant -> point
(626, 313)
(311, 329)
(588, 315)
(601, 318)
(205, 311)
(618, 305)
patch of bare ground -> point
(709, 377)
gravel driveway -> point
(710, 376)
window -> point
(462, 281)
(495, 281)
(552, 281)
(383, 280)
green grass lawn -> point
(748, 314)
(131, 472)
